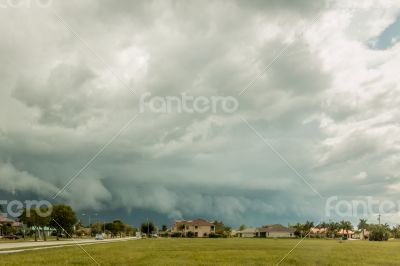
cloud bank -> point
(72, 76)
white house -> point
(248, 232)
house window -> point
(196, 234)
(205, 234)
(212, 227)
(196, 227)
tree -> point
(346, 226)
(242, 227)
(63, 219)
(37, 219)
(307, 227)
(362, 225)
(333, 228)
(299, 229)
(396, 231)
(322, 225)
(130, 230)
(182, 228)
(119, 227)
(43, 221)
(26, 218)
(147, 228)
(378, 232)
(221, 228)
(164, 228)
(97, 228)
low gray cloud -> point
(328, 105)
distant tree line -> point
(63, 222)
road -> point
(14, 247)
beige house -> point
(364, 234)
(275, 231)
(199, 227)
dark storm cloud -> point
(63, 97)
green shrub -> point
(176, 234)
(378, 233)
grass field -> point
(216, 252)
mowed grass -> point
(216, 252)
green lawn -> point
(216, 252)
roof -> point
(316, 230)
(198, 222)
(350, 232)
(5, 220)
(16, 224)
(247, 230)
(276, 228)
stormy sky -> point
(320, 119)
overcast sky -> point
(322, 120)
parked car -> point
(99, 237)
(12, 237)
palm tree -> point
(346, 225)
(307, 227)
(324, 226)
(299, 229)
(362, 225)
(181, 228)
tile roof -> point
(5, 220)
(248, 230)
(198, 222)
(316, 230)
(276, 228)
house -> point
(248, 232)
(275, 230)
(362, 234)
(346, 233)
(198, 227)
(318, 232)
(6, 222)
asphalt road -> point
(14, 247)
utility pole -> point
(148, 228)
(379, 219)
